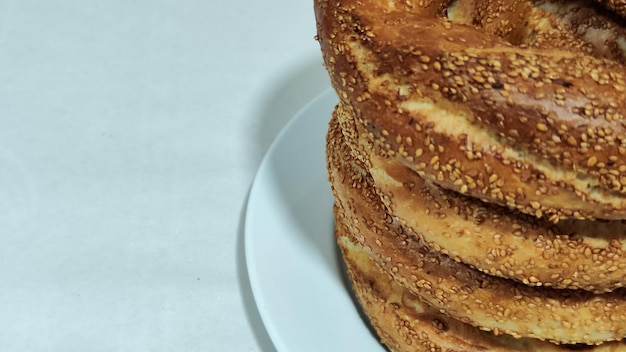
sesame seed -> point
(592, 161)
(542, 127)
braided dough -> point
(455, 289)
(405, 323)
(517, 103)
(575, 254)
(478, 158)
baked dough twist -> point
(406, 324)
(477, 142)
(574, 254)
(455, 289)
(519, 103)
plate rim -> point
(272, 329)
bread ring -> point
(539, 128)
(576, 254)
(457, 290)
(406, 324)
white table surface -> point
(130, 133)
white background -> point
(130, 133)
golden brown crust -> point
(406, 324)
(575, 254)
(491, 303)
(535, 129)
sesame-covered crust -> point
(406, 324)
(518, 103)
(455, 289)
(575, 254)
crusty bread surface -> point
(477, 156)
(455, 289)
(406, 324)
(505, 110)
(577, 254)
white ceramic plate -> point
(296, 273)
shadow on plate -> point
(254, 318)
(292, 90)
(310, 203)
(286, 97)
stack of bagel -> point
(477, 156)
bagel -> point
(455, 289)
(406, 324)
(518, 103)
(575, 254)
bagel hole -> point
(600, 31)
(589, 22)
(578, 347)
(481, 15)
(455, 13)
